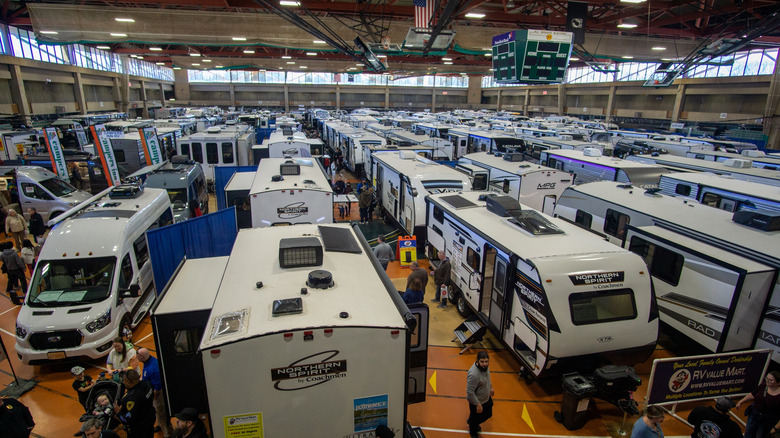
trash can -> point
(577, 391)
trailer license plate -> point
(56, 355)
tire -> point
(54, 215)
(462, 306)
(126, 320)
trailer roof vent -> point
(753, 153)
(289, 168)
(320, 279)
(591, 152)
(758, 219)
(738, 163)
(214, 130)
(407, 155)
(299, 252)
(565, 137)
(125, 191)
(533, 222)
(502, 205)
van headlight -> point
(73, 203)
(21, 331)
(100, 323)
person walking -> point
(16, 226)
(151, 373)
(383, 252)
(441, 277)
(75, 176)
(364, 202)
(479, 393)
(714, 421)
(15, 419)
(36, 226)
(414, 292)
(764, 413)
(15, 270)
(417, 272)
(649, 425)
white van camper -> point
(305, 320)
(550, 291)
(217, 147)
(40, 189)
(286, 192)
(93, 276)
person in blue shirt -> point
(649, 425)
(151, 373)
(414, 293)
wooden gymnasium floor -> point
(521, 409)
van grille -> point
(55, 340)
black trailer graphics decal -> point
(532, 296)
(546, 186)
(308, 371)
(292, 211)
(597, 278)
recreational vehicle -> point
(402, 180)
(214, 148)
(41, 189)
(759, 158)
(536, 186)
(721, 191)
(93, 276)
(290, 191)
(738, 168)
(441, 149)
(589, 165)
(553, 293)
(713, 271)
(535, 146)
(295, 313)
(287, 143)
(15, 145)
(184, 181)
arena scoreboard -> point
(531, 56)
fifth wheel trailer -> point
(552, 293)
(306, 337)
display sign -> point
(55, 153)
(106, 153)
(151, 145)
(407, 250)
(531, 56)
(244, 426)
(81, 135)
(706, 377)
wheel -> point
(54, 214)
(462, 306)
(126, 322)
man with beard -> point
(479, 393)
(188, 425)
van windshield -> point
(178, 198)
(62, 283)
(57, 187)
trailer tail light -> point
(641, 272)
(288, 336)
(328, 332)
(215, 352)
(395, 332)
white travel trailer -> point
(739, 168)
(759, 158)
(14, 145)
(550, 291)
(287, 143)
(217, 147)
(93, 276)
(304, 319)
(403, 178)
(442, 149)
(589, 165)
(287, 191)
(714, 271)
(721, 191)
(536, 186)
(353, 147)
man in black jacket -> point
(189, 425)
(714, 422)
(15, 419)
(135, 408)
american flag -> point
(423, 10)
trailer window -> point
(664, 264)
(438, 214)
(185, 149)
(141, 250)
(119, 154)
(212, 153)
(505, 186)
(583, 219)
(600, 307)
(472, 259)
(227, 153)
(615, 223)
(186, 342)
(683, 190)
(126, 272)
(197, 152)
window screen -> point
(600, 307)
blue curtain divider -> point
(210, 235)
(222, 175)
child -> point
(103, 407)
(82, 384)
(28, 255)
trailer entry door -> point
(497, 294)
(418, 355)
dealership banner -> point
(55, 153)
(151, 145)
(106, 153)
(705, 377)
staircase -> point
(470, 332)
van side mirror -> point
(133, 292)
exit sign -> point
(531, 56)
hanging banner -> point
(106, 153)
(151, 145)
(576, 13)
(81, 135)
(55, 153)
(706, 377)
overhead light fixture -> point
(311, 53)
(155, 49)
(381, 56)
(139, 57)
(286, 57)
(667, 59)
(359, 64)
(195, 54)
(302, 66)
(291, 62)
(632, 1)
(118, 34)
(196, 64)
(125, 20)
(626, 25)
(134, 56)
(488, 54)
(239, 39)
(448, 63)
(218, 66)
(48, 32)
(628, 57)
(103, 47)
(352, 68)
(490, 69)
(446, 59)
(319, 42)
(177, 68)
(474, 15)
(659, 48)
(289, 3)
(249, 52)
(206, 60)
(160, 63)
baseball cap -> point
(76, 370)
(187, 414)
(724, 404)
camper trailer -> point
(759, 158)
(738, 168)
(287, 143)
(237, 195)
(402, 179)
(722, 192)
(217, 147)
(713, 271)
(305, 320)
(536, 186)
(93, 276)
(15, 145)
(590, 165)
(441, 149)
(551, 292)
(290, 191)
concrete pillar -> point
(162, 96)
(78, 92)
(233, 95)
(526, 101)
(433, 95)
(338, 97)
(19, 95)
(474, 97)
(498, 100)
(561, 99)
(387, 97)
(679, 99)
(772, 110)
(145, 110)
(286, 98)
(117, 93)
(181, 86)
(125, 99)
(610, 102)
